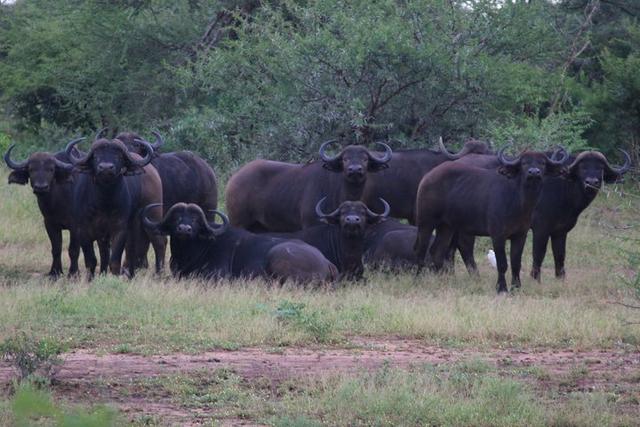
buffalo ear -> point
(377, 166)
(134, 170)
(331, 220)
(20, 176)
(556, 170)
(334, 165)
(62, 175)
(510, 171)
(611, 177)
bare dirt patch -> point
(86, 376)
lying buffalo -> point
(274, 196)
(205, 249)
(52, 181)
(460, 198)
(561, 202)
(390, 244)
(341, 237)
(113, 186)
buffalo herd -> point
(317, 222)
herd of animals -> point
(310, 223)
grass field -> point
(582, 365)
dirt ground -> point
(599, 370)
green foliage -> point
(29, 355)
(32, 406)
(313, 322)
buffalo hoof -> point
(54, 274)
(535, 274)
(560, 275)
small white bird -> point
(491, 256)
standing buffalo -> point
(274, 196)
(561, 202)
(398, 184)
(461, 198)
(52, 182)
(341, 238)
(185, 176)
(113, 186)
(564, 199)
(202, 248)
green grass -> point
(154, 315)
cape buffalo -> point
(274, 196)
(390, 244)
(564, 199)
(202, 248)
(561, 202)
(52, 181)
(456, 197)
(398, 184)
(341, 237)
(113, 187)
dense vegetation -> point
(236, 79)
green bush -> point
(28, 355)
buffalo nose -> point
(535, 172)
(352, 219)
(184, 228)
(355, 170)
(40, 187)
(106, 167)
(592, 181)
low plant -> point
(28, 355)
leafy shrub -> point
(31, 406)
(29, 355)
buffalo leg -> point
(559, 247)
(90, 261)
(540, 241)
(501, 260)
(449, 263)
(159, 248)
(117, 248)
(103, 249)
(441, 246)
(465, 244)
(74, 254)
(55, 237)
(423, 238)
(517, 246)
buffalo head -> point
(136, 144)
(354, 161)
(107, 160)
(592, 168)
(185, 221)
(531, 165)
(41, 169)
(352, 217)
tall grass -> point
(157, 314)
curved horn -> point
(100, 133)
(321, 214)
(155, 145)
(146, 221)
(219, 229)
(322, 153)
(503, 160)
(386, 156)
(69, 151)
(146, 159)
(11, 163)
(63, 165)
(560, 161)
(558, 150)
(387, 209)
(625, 167)
(463, 152)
